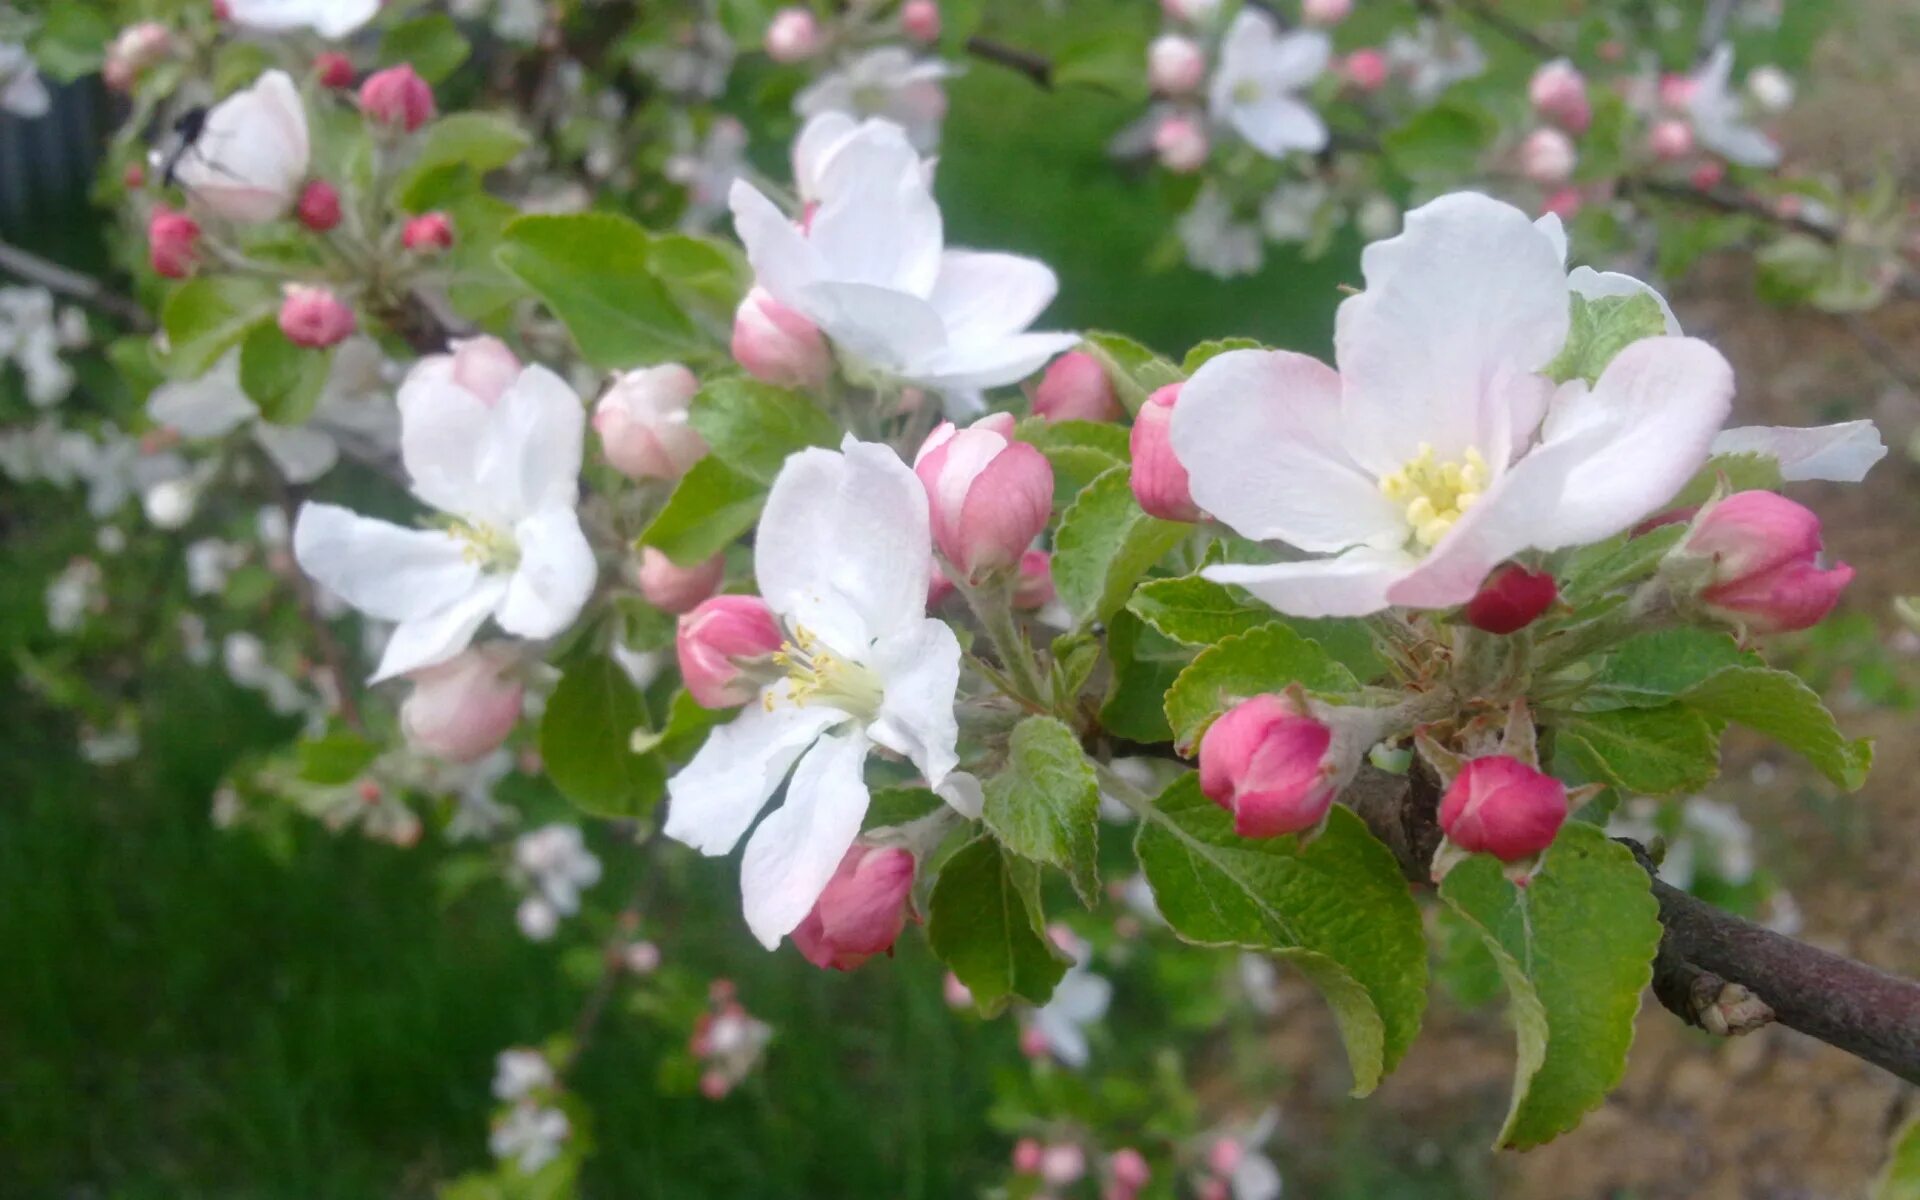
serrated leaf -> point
(1145, 664)
(1439, 139)
(1104, 437)
(1652, 751)
(753, 426)
(1781, 706)
(596, 272)
(1205, 351)
(1650, 669)
(1104, 544)
(985, 922)
(711, 506)
(1338, 909)
(1196, 611)
(1576, 950)
(1044, 804)
(1596, 570)
(1601, 327)
(285, 380)
(1267, 659)
(586, 741)
(1135, 371)
(209, 315)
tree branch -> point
(1036, 67)
(72, 284)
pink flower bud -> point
(1189, 10)
(137, 47)
(1129, 1169)
(1708, 175)
(1564, 203)
(1213, 1189)
(1325, 12)
(712, 636)
(134, 177)
(1026, 1156)
(1268, 763)
(988, 496)
(777, 345)
(920, 20)
(1559, 94)
(1181, 143)
(670, 587)
(1160, 483)
(173, 242)
(1547, 156)
(1670, 140)
(642, 422)
(714, 1084)
(222, 11)
(1033, 1043)
(1676, 92)
(955, 993)
(314, 317)
(333, 69)
(428, 233)
(1766, 575)
(1511, 599)
(1223, 1157)
(1062, 1163)
(484, 367)
(1175, 65)
(862, 910)
(1076, 388)
(1365, 69)
(319, 206)
(792, 36)
(1035, 587)
(397, 97)
(465, 707)
(1503, 807)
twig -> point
(1036, 67)
(72, 284)
(1728, 201)
(1499, 22)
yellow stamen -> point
(1433, 494)
(487, 545)
(816, 675)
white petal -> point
(1556, 233)
(818, 139)
(783, 261)
(431, 639)
(252, 153)
(920, 669)
(1258, 432)
(1352, 585)
(795, 851)
(963, 793)
(1279, 125)
(843, 546)
(207, 407)
(384, 570)
(555, 576)
(964, 369)
(328, 18)
(303, 455)
(983, 298)
(890, 331)
(442, 429)
(1585, 281)
(1842, 453)
(1468, 292)
(530, 459)
(877, 222)
(715, 797)
(1256, 1178)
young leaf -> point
(1729, 473)
(335, 757)
(586, 742)
(1044, 804)
(753, 426)
(1576, 950)
(1265, 659)
(433, 45)
(1650, 669)
(1595, 570)
(285, 380)
(1780, 705)
(596, 272)
(1197, 611)
(1104, 545)
(712, 505)
(1145, 664)
(477, 141)
(1202, 353)
(1653, 751)
(1135, 371)
(985, 922)
(1900, 1178)
(207, 316)
(1338, 909)
(1601, 328)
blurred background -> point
(197, 1011)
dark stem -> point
(1497, 21)
(74, 285)
(1036, 67)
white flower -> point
(872, 272)
(529, 1136)
(76, 591)
(508, 474)
(1719, 119)
(1217, 240)
(1254, 1176)
(328, 18)
(250, 160)
(1255, 86)
(1439, 449)
(1291, 212)
(1434, 58)
(215, 405)
(22, 92)
(555, 865)
(884, 82)
(842, 556)
(706, 168)
(518, 1072)
(1079, 1000)
(1771, 88)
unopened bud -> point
(484, 367)
(1062, 1163)
(1564, 203)
(1271, 764)
(1128, 1168)
(1501, 806)
(777, 345)
(428, 233)
(1160, 482)
(712, 636)
(1558, 92)
(1547, 156)
(462, 709)
(920, 20)
(1676, 92)
(1771, 89)
(397, 97)
(1325, 12)
(1076, 388)
(1176, 65)
(1365, 69)
(138, 47)
(314, 317)
(988, 496)
(1026, 1156)
(1670, 140)
(1762, 554)
(792, 36)
(862, 910)
(1034, 588)
(333, 70)
(173, 243)
(670, 587)
(1511, 599)
(319, 206)
(1181, 144)
(642, 422)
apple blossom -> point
(1433, 58)
(1255, 85)
(670, 587)
(1715, 110)
(1180, 142)
(462, 709)
(23, 92)
(1761, 556)
(792, 36)
(1501, 806)
(328, 18)
(711, 639)
(1547, 156)
(397, 97)
(1271, 764)
(1062, 1163)
(1365, 69)
(1670, 140)
(1439, 449)
(1079, 1000)
(885, 82)
(777, 345)
(333, 70)
(1511, 599)
(250, 160)
(1176, 66)
(1558, 92)
(507, 474)
(137, 47)
(529, 1136)
(554, 865)
(842, 555)
(1159, 481)
(862, 910)
(482, 367)
(1075, 387)
(319, 206)
(518, 1073)
(989, 496)
(215, 404)
(173, 242)
(898, 306)
(428, 233)
(920, 20)
(314, 317)
(642, 422)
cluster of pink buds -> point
(727, 1041)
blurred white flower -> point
(22, 92)
(1218, 240)
(1433, 58)
(1256, 85)
(518, 1072)
(554, 865)
(1719, 116)
(529, 1136)
(884, 82)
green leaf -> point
(433, 44)
(596, 272)
(1104, 544)
(477, 141)
(1101, 436)
(1598, 569)
(1135, 371)
(1337, 908)
(1576, 950)
(1108, 60)
(72, 41)
(1728, 473)
(1650, 669)
(285, 380)
(1652, 751)
(1206, 351)
(1266, 659)
(892, 806)
(705, 275)
(1145, 664)
(753, 426)
(1780, 705)
(985, 922)
(711, 506)
(586, 741)
(1197, 611)
(336, 757)
(1900, 1179)
(1438, 140)
(1044, 804)
(1601, 328)
(207, 316)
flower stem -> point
(993, 605)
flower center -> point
(1247, 91)
(490, 546)
(1436, 494)
(819, 676)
